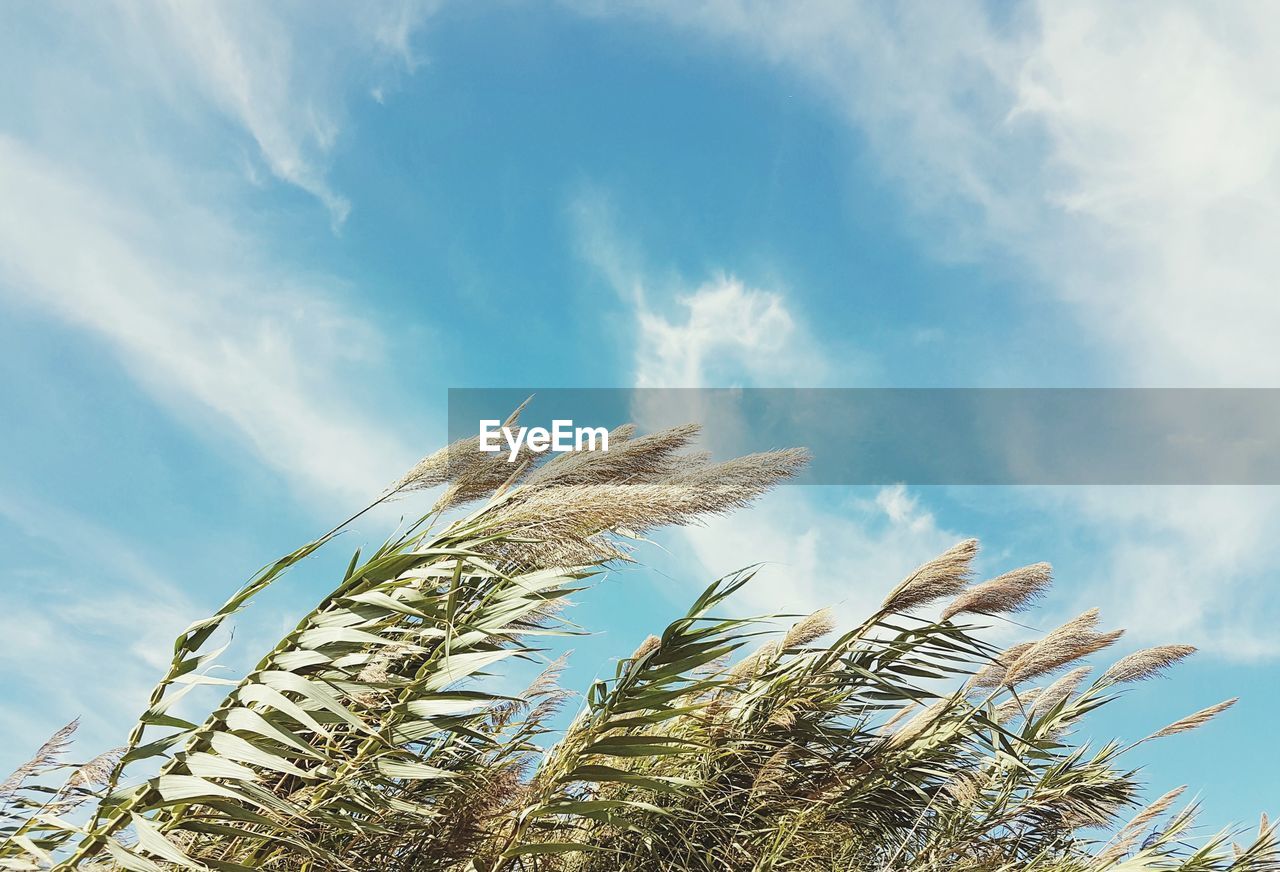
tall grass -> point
(371, 738)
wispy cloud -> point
(1122, 157)
(817, 553)
(130, 156)
(723, 333)
(283, 72)
(91, 593)
(1187, 564)
(714, 332)
(128, 162)
(262, 90)
(259, 353)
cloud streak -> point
(265, 362)
(1122, 158)
(125, 208)
(716, 332)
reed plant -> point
(373, 736)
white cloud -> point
(127, 158)
(257, 88)
(724, 330)
(847, 556)
(266, 362)
(1162, 127)
(277, 70)
(724, 333)
(126, 164)
(105, 597)
(1180, 564)
(1123, 156)
(718, 332)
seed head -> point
(648, 646)
(945, 575)
(1012, 592)
(1147, 663)
(1194, 720)
(1068, 643)
(992, 675)
(1060, 690)
(810, 629)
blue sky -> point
(246, 249)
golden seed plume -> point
(945, 575)
(1147, 663)
(649, 645)
(1014, 706)
(378, 668)
(97, 770)
(897, 716)
(471, 472)
(771, 775)
(921, 723)
(965, 788)
(1060, 690)
(629, 460)
(784, 716)
(543, 697)
(564, 511)
(751, 665)
(1012, 592)
(810, 629)
(1128, 836)
(569, 525)
(46, 756)
(1194, 720)
(1068, 643)
(992, 675)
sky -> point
(246, 248)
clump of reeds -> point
(381, 734)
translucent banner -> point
(874, 436)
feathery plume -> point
(377, 669)
(569, 525)
(1147, 663)
(897, 716)
(1060, 690)
(751, 665)
(46, 755)
(1066, 644)
(1012, 592)
(470, 473)
(1194, 720)
(810, 629)
(649, 645)
(945, 575)
(97, 770)
(992, 674)
(784, 716)
(771, 775)
(1017, 705)
(924, 721)
(1128, 836)
(648, 458)
(965, 788)
(543, 697)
